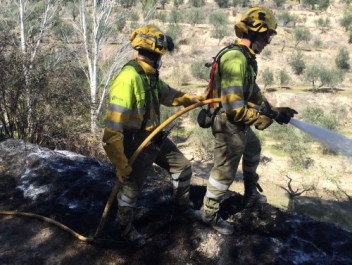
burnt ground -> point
(73, 190)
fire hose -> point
(91, 239)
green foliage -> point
(301, 34)
(296, 62)
(279, 3)
(197, 3)
(268, 77)
(195, 16)
(222, 3)
(346, 21)
(323, 23)
(174, 31)
(219, 20)
(127, 3)
(310, 3)
(161, 16)
(317, 43)
(283, 77)
(291, 142)
(47, 105)
(319, 117)
(285, 18)
(177, 3)
(321, 76)
(163, 3)
(323, 4)
(342, 59)
(120, 21)
(241, 3)
(313, 74)
(350, 35)
(175, 16)
(199, 70)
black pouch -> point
(204, 118)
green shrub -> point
(342, 59)
(175, 16)
(199, 70)
(174, 31)
(279, 3)
(287, 18)
(301, 34)
(346, 21)
(196, 15)
(296, 62)
(323, 24)
(283, 77)
(268, 77)
(222, 3)
(197, 3)
(219, 20)
(323, 4)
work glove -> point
(114, 148)
(187, 100)
(284, 114)
(263, 122)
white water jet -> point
(332, 140)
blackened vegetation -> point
(74, 189)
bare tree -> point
(93, 28)
(295, 193)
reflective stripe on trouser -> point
(169, 158)
(232, 140)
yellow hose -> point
(117, 184)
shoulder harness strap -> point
(149, 85)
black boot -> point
(131, 235)
(216, 222)
(251, 195)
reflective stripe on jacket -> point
(127, 101)
(237, 84)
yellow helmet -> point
(152, 39)
(256, 19)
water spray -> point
(332, 140)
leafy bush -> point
(199, 70)
(222, 3)
(279, 3)
(301, 34)
(197, 3)
(342, 59)
(195, 15)
(296, 62)
(175, 16)
(323, 4)
(283, 77)
(323, 24)
(287, 18)
(268, 77)
(219, 20)
(174, 31)
(346, 21)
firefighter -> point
(235, 83)
(134, 112)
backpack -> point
(207, 115)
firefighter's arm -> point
(172, 97)
(114, 148)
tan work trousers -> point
(233, 140)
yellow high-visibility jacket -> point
(127, 99)
(235, 83)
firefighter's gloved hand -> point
(187, 100)
(114, 148)
(284, 114)
(263, 122)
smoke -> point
(332, 140)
